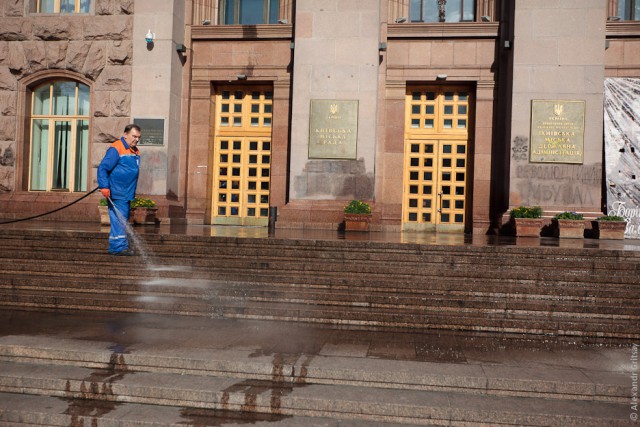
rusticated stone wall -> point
(96, 47)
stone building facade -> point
(425, 109)
(91, 48)
(95, 50)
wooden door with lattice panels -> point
(436, 160)
(242, 155)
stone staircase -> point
(508, 289)
(203, 318)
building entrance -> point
(242, 156)
(435, 190)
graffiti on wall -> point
(520, 148)
(553, 184)
(569, 185)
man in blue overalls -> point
(118, 178)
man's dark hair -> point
(128, 128)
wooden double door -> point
(436, 159)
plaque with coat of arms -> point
(333, 129)
(557, 131)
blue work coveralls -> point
(118, 171)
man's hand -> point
(105, 192)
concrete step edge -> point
(290, 310)
(316, 244)
(100, 255)
(577, 328)
(19, 410)
(558, 382)
(505, 307)
(317, 399)
(161, 275)
(185, 252)
(622, 307)
(330, 278)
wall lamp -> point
(485, 18)
(206, 22)
(401, 20)
(241, 76)
(180, 48)
(150, 37)
(442, 77)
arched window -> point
(59, 137)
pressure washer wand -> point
(119, 214)
(114, 207)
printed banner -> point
(622, 150)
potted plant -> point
(569, 225)
(527, 220)
(103, 208)
(610, 227)
(143, 211)
(357, 216)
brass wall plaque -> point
(333, 129)
(557, 131)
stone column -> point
(156, 90)
(558, 54)
(336, 58)
(198, 175)
(482, 156)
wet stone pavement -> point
(291, 344)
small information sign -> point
(152, 131)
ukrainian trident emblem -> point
(558, 109)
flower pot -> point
(609, 229)
(142, 216)
(569, 228)
(104, 215)
(528, 227)
(356, 222)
